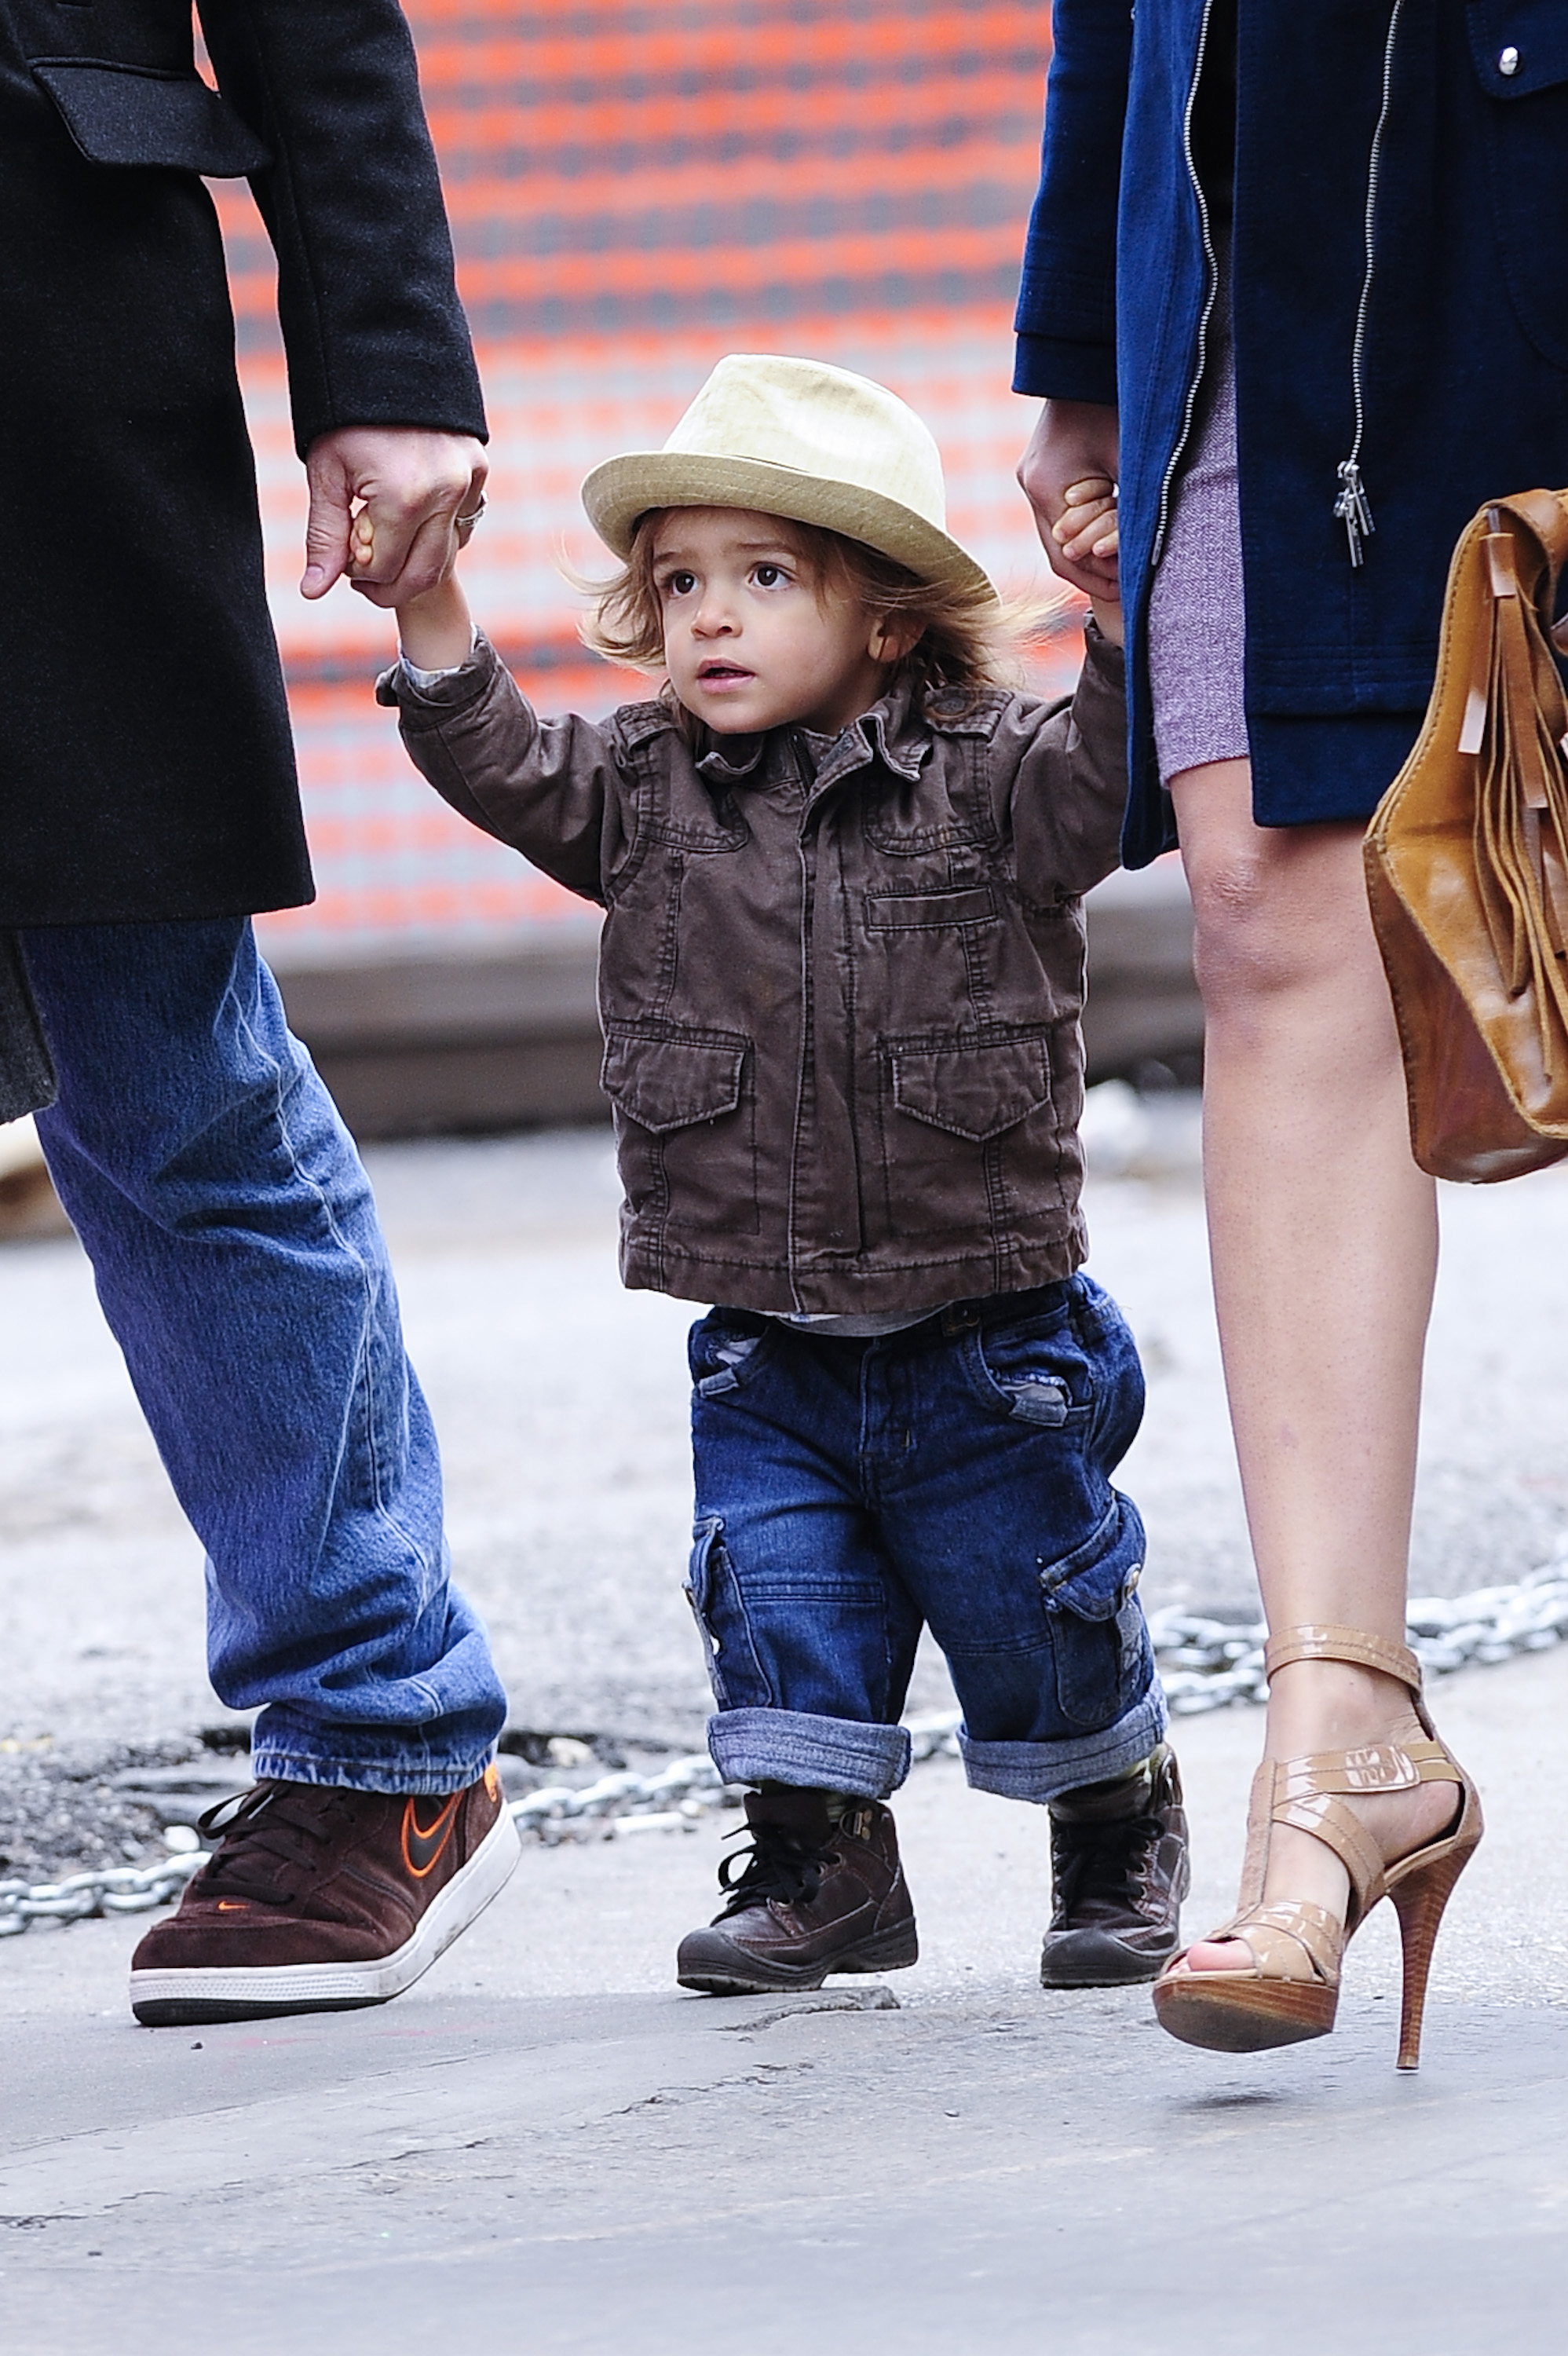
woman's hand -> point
(1069, 474)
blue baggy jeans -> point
(955, 1475)
(241, 1267)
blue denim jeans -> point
(955, 1474)
(239, 1262)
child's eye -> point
(678, 585)
(770, 576)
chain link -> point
(122, 1890)
(1209, 1664)
(1204, 1664)
(676, 1799)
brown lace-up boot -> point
(1118, 1860)
(811, 1897)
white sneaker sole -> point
(164, 2000)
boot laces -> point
(1098, 1862)
(779, 1865)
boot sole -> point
(179, 1999)
(1086, 1960)
(732, 1971)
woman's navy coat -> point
(1466, 362)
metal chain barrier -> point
(1204, 1664)
(678, 1798)
(124, 1889)
(1209, 1664)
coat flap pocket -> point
(970, 1089)
(663, 1080)
(1518, 45)
(133, 115)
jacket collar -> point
(895, 731)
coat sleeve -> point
(1066, 314)
(1070, 785)
(352, 203)
(551, 789)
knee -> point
(1253, 937)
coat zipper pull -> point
(1352, 508)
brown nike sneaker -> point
(1118, 1859)
(320, 1898)
(812, 1896)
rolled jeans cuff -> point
(290, 1746)
(1042, 1771)
(822, 1755)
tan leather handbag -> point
(1468, 864)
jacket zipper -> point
(1351, 506)
(1211, 287)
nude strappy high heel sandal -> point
(1291, 1988)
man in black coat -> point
(147, 808)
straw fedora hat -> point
(795, 438)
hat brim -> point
(621, 491)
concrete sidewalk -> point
(545, 2146)
(562, 1405)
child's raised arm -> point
(435, 629)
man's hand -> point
(413, 484)
(1075, 449)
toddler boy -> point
(841, 977)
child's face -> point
(752, 639)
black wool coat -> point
(146, 771)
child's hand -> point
(362, 544)
(1088, 525)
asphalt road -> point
(545, 2147)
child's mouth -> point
(722, 675)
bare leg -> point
(1324, 1239)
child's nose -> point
(713, 614)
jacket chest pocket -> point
(956, 1112)
(1519, 50)
(685, 1125)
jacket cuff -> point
(426, 707)
(1109, 663)
(1053, 369)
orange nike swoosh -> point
(423, 1844)
(232, 1906)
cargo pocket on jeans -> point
(713, 1592)
(1098, 1634)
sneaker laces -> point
(272, 1838)
(779, 1865)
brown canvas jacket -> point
(841, 979)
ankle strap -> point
(1343, 1644)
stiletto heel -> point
(1290, 1990)
(1419, 1902)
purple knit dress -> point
(1196, 618)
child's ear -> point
(893, 636)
